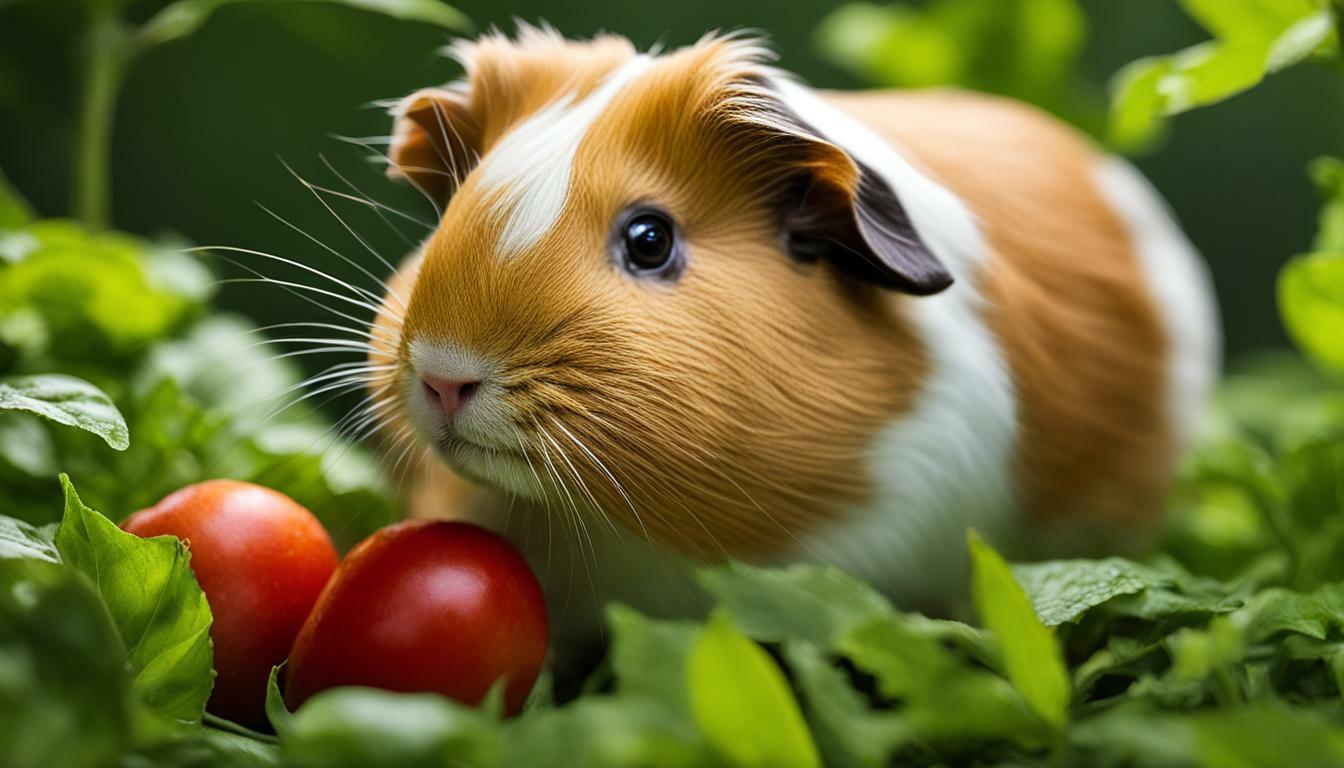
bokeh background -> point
(204, 125)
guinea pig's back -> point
(1102, 309)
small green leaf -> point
(803, 602)
(184, 17)
(1031, 655)
(1328, 173)
(368, 728)
(1311, 301)
(69, 401)
(19, 540)
(276, 712)
(14, 210)
(742, 703)
(152, 596)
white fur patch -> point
(947, 465)
(1180, 284)
(531, 166)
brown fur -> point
(704, 407)
(1069, 301)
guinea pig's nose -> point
(452, 395)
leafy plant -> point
(1026, 49)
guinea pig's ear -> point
(842, 211)
(435, 141)
(835, 207)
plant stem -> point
(107, 51)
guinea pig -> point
(681, 308)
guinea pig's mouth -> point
(499, 467)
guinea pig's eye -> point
(648, 244)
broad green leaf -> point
(27, 446)
(801, 602)
(367, 728)
(20, 540)
(742, 703)
(1311, 302)
(69, 401)
(184, 17)
(1063, 591)
(151, 594)
(14, 210)
(65, 700)
(1031, 655)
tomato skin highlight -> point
(262, 560)
(425, 606)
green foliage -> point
(1311, 287)
(1027, 49)
(151, 594)
(69, 401)
(742, 703)
(200, 395)
(1252, 39)
(1030, 654)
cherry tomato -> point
(262, 560)
(425, 606)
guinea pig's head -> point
(654, 292)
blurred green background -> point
(204, 124)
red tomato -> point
(262, 561)
(425, 606)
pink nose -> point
(452, 395)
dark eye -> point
(648, 243)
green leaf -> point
(1253, 38)
(849, 733)
(605, 732)
(1311, 301)
(14, 210)
(1328, 173)
(801, 602)
(365, 728)
(276, 712)
(742, 703)
(1063, 591)
(94, 293)
(649, 657)
(65, 701)
(184, 17)
(947, 701)
(21, 540)
(69, 401)
(152, 596)
(1031, 654)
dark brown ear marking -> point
(843, 211)
(904, 262)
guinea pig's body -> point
(879, 319)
